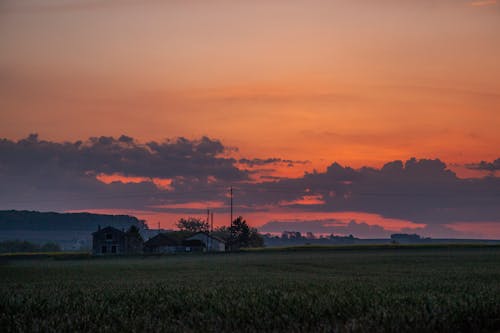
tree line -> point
(238, 235)
(13, 246)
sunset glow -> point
(157, 108)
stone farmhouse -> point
(110, 240)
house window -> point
(113, 249)
(109, 236)
(104, 249)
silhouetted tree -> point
(12, 246)
(192, 224)
(134, 232)
(241, 235)
(256, 239)
(17, 246)
(134, 240)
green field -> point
(437, 289)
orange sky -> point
(485, 230)
(358, 82)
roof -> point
(193, 242)
(208, 235)
(162, 240)
(176, 238)
(108, 230)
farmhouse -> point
(112, 241)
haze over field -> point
(362, 117)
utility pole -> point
(208, 218)
(208, 230)
(212, 221)
(231, 216)
(231, 196)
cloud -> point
(483, 3)
(270, 95)
(422, 191)
(73, 5)
(166, 176)
(272, 160)
(124, 155)
(108, 172)
(305, 200)
(485, 166)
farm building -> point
(175, 242)
(210, 242)
(163, 243)
(112, 241)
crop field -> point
(307, 290)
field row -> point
(446, 290)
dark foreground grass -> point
(389, 290)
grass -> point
(355, 247)
(44, 255)
(439, 289)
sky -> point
(155, 108)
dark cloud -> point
(105, 154)
(423, 191)
(38, 174)
(272, 177)
(485, 166)
(266, 161)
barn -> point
(163, 243)
(175, 242)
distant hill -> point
(50, 221)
